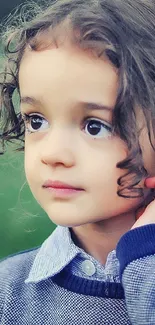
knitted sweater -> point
(65, 298)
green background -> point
(23, 224)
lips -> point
(60, 185)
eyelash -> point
(107, 127)
(27, 119)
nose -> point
(58, 148)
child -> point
(84, 72)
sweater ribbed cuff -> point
(135, 244)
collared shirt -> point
(59, 252)
(68, 299)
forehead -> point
(70, 69)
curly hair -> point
(124, 31)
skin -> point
(62, 81)
(148, 217)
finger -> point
(150, 182)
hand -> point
(148, 216)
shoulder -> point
(16, 267)
(13, 272)
(136, 247)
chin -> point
(66, 221)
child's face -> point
(73, 95)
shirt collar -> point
(56, 252)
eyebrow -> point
(95, 106)
(30, 101)
(89, 106)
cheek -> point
(102, 165)
(28, 167)
(29, 162)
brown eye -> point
(35, 123)
(97, 129)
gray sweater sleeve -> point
(136, 254)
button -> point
(88, 267)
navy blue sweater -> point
(68, 299)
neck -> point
(100, 238)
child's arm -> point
(136, 254)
